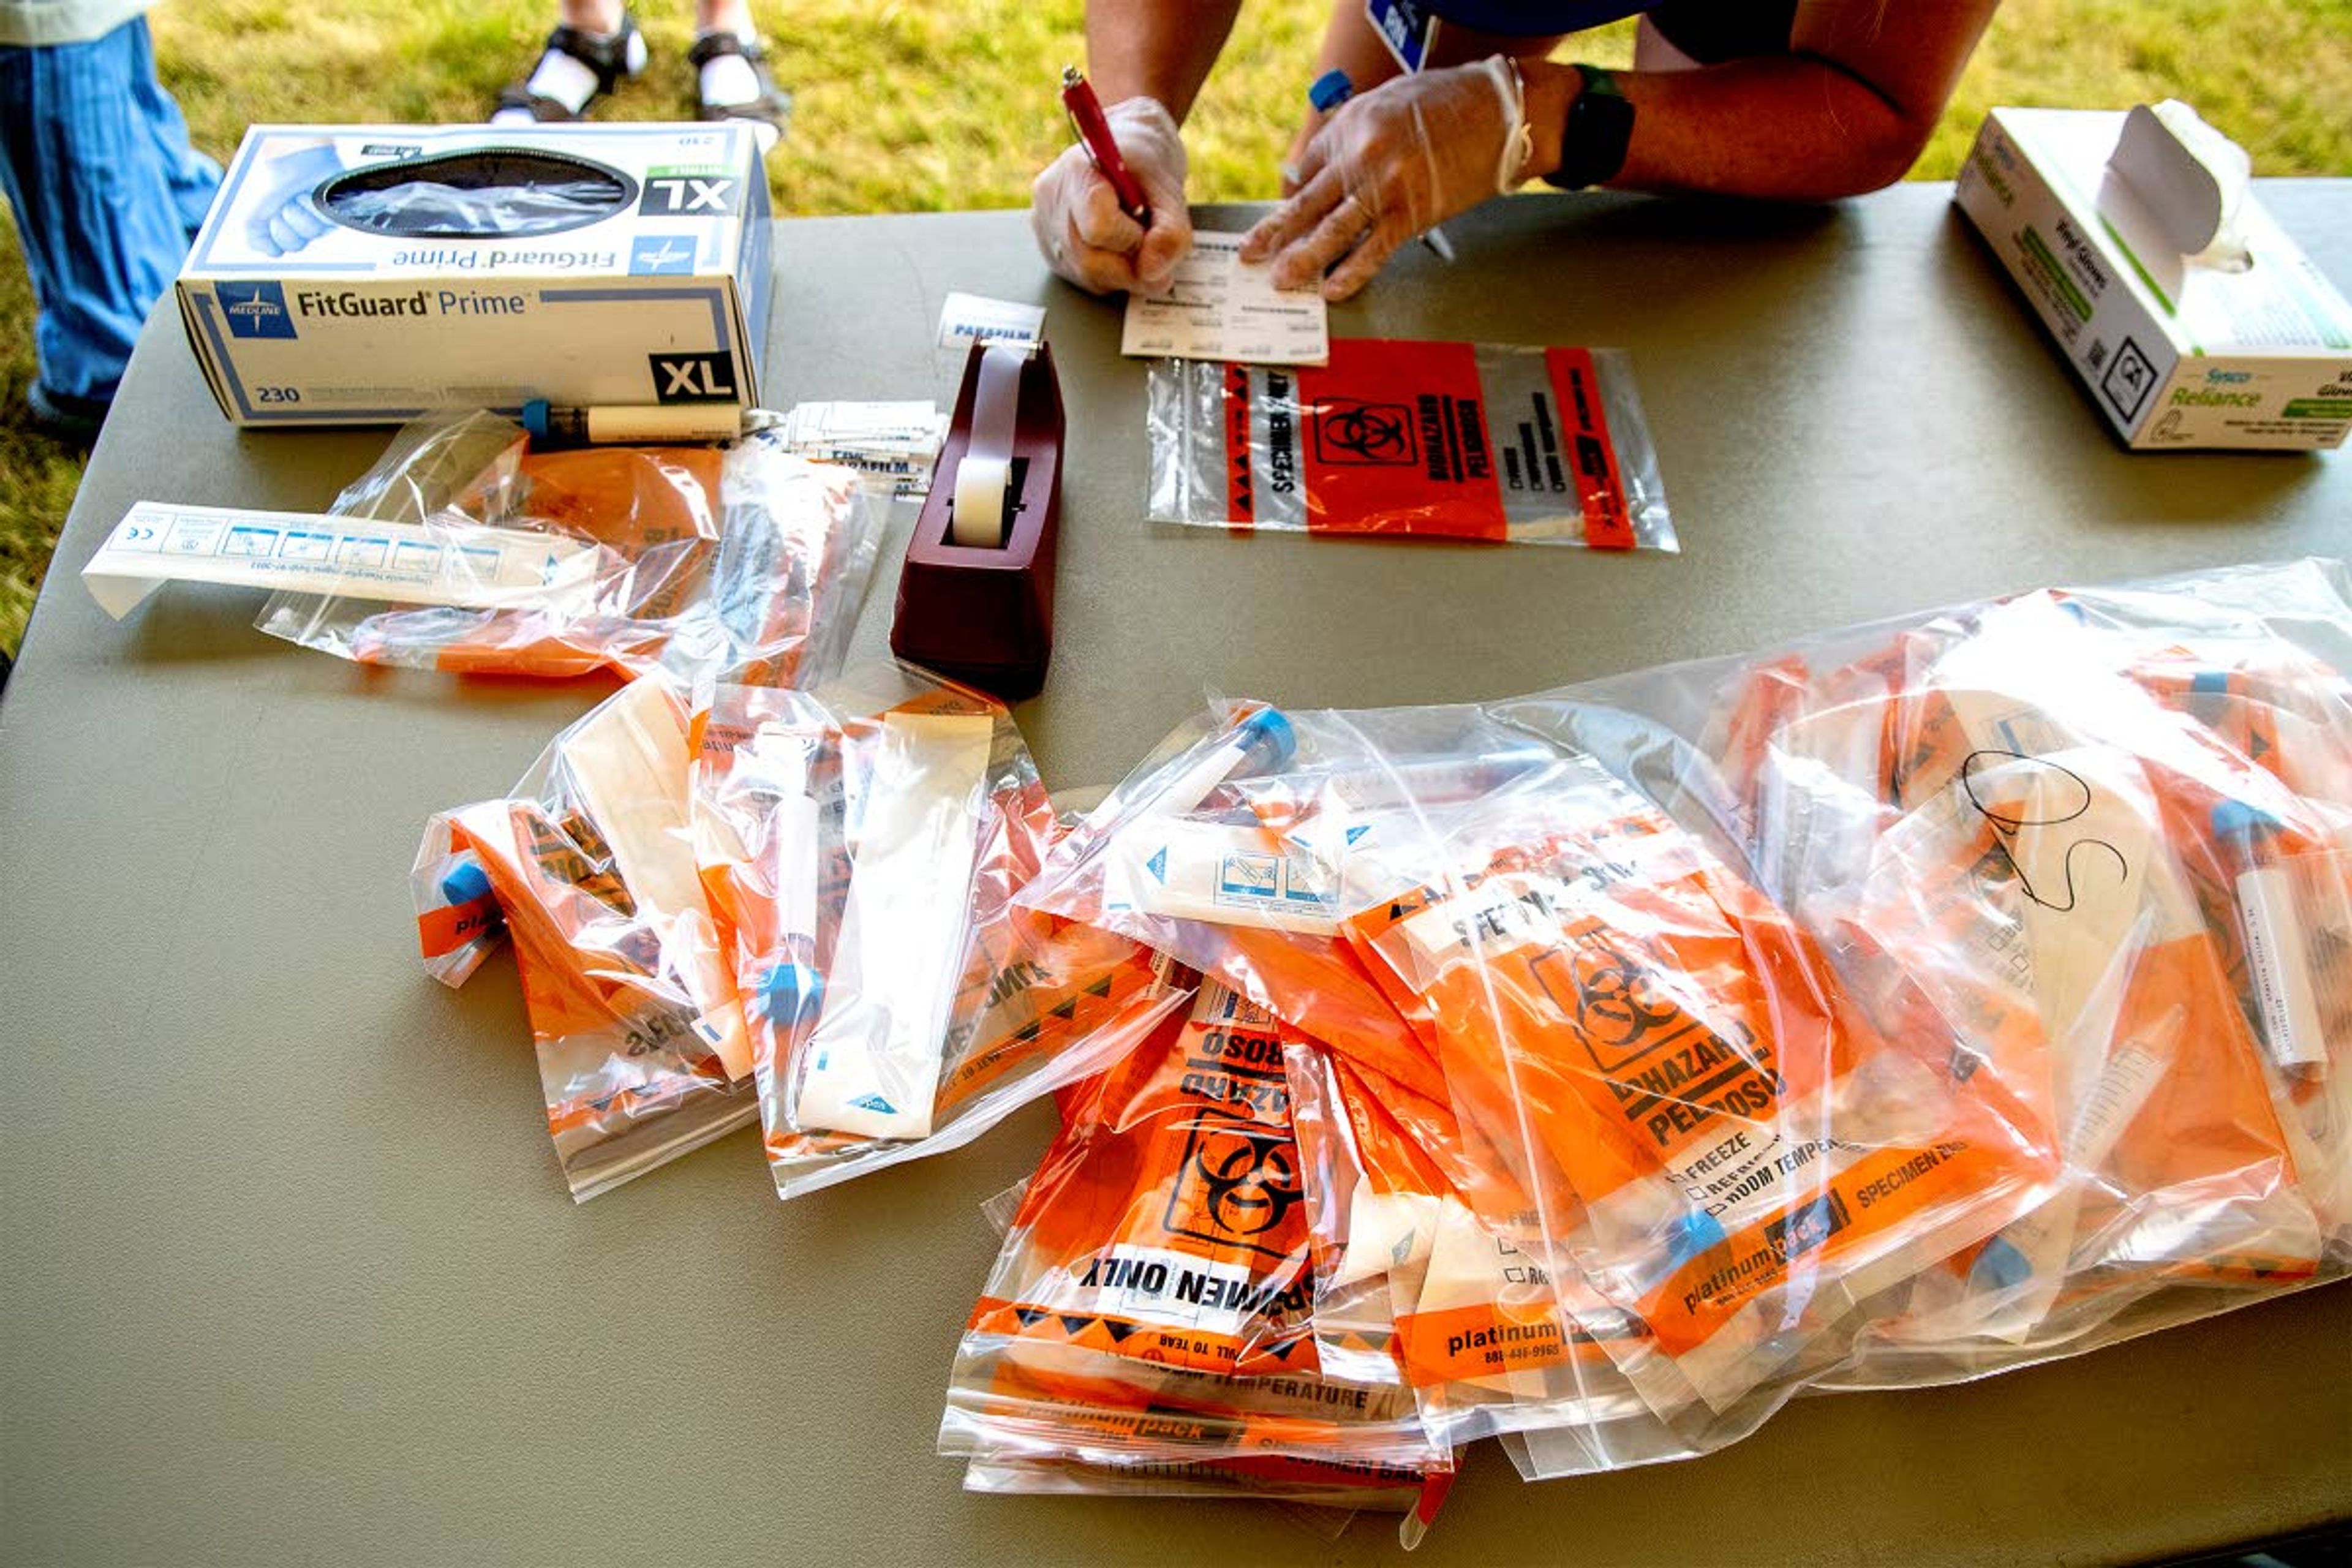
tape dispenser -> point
(976, 597)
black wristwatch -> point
(1600, 127)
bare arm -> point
(1846, 110)
(1153, 48)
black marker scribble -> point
(2005, 827)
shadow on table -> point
(2056, 409)
(2329, 1547)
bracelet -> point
(1519, 140)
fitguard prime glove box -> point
(365, 274)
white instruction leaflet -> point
(629, 761)
(460, 563)
(872, 1067)
(1222, 309)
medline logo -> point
(694, 378)
(651, 255)
(255, 310)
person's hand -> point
(1387, 165)
(1294, 157)
(1076, 214)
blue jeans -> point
(108, 194)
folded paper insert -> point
(2181, 184)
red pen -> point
(1094, 134)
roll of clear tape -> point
(980, 487)
(985, 474)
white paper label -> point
(2276, 959)
(967, 319)
(1219, 308)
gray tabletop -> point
(290, 1274)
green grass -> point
(918, 105)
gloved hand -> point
(286, 219)
(1076, 214)
(1410, 154)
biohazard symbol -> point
(1378, 435)
(1239, 1179)
(1617, 1011)
(1610, 1005)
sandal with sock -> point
(733, 82)
(575, 69)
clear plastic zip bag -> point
(1200, 854)
(2107, 826)
(587, 865)
(1919, 1001)
(862, 844)
(1716, 1143)
(1148, 1324)
(1446, 440)
(741, 563)
(1406, 1264)
(1225, 849)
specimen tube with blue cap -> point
(2278, 957)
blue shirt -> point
(1706, 30)
(1530, 18)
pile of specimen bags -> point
(787, 905)
(747, 886)
(1595, 1071)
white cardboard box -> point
(2177, 353)
(355, 274)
